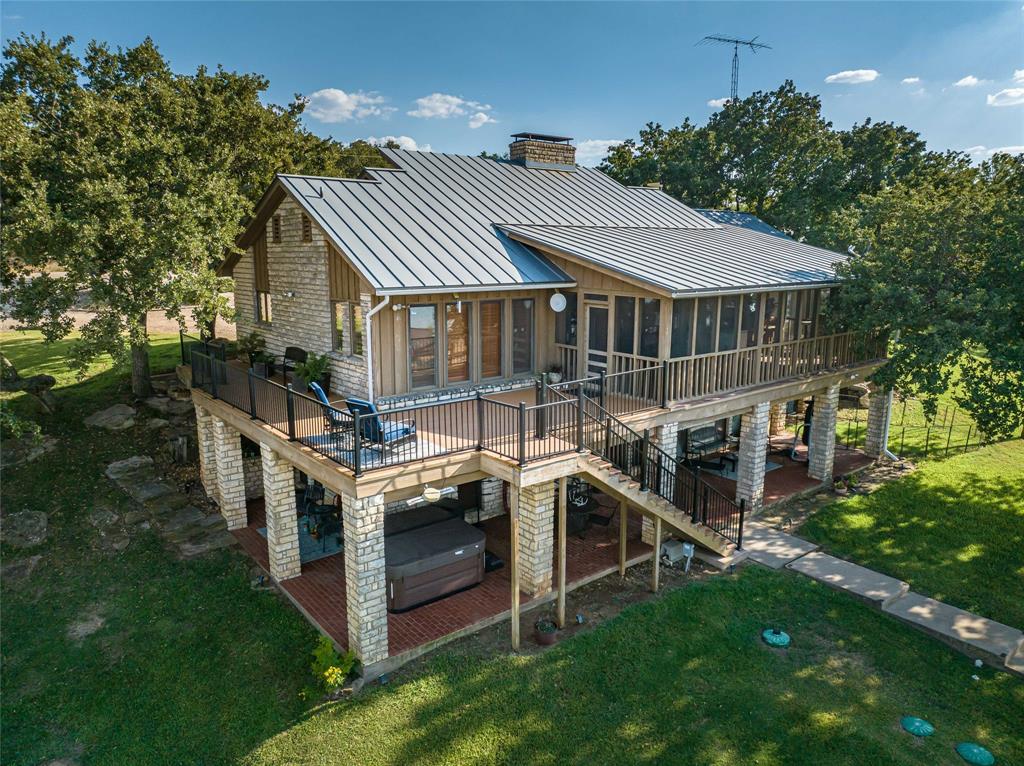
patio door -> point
(597, 339)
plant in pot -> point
(316, 369)
(252, 346)
(263, 364)
(545, 632)
(840, 487)
(555, 375)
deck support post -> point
(656, 560)
(623, 522)
(282, 519)
(513, 526)
(227, 444)
(822, 450)
(562, 520)
(207, 453)
(365, 581)
(754, 426)
(536, 522)
(878, 406)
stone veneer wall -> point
(823, 434)
(282, 521)
(542, 151)
(227, 445)
(536, 537)
(878, 403)
(252, 472)
(777, 418)
(754, 426)
(365, 583)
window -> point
(650, 326)
(348, 327)
(456, 329)
(275, 228)
(728, 322)
(263, 307)
(625, 324)
(750, 314)
(423, 346)
(707, 313)
(492, 346)
(522, 335)
(307, 229)
(791, 314)
(565, 322)
(682, 326)
(771, 319)
(807, 313)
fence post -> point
(181, 343)
(542, 398)
(522, 433)
(664, 384)
(479, 421)
(927, 439)
(357, 444)
(213, 376)
(949, 436)
(643, 459)
(695, 509)
(968, 442)
(579, 420)
(290, 401)
(601, 383)
(704, 509)
(739, 535)
(252, 395)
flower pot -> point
(545, 637)
(554, 378)
(842, 491)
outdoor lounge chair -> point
(292, 356)
(334, 419)
(378, 432)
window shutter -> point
(275, 228)
(307, 229)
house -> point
(519, 326)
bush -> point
(329, 667)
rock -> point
(102, 517)
(123, 468)
(207, 544)
(180, 408)
(160, 385)
(179, 393)
(116, 418)
(24, 529)
(86, 625)
(135, 517)
(158, 403)
(147, 490)
(155, 423)
(117, 543)
(26, 449)
(20, 570)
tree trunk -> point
(209, 332)
(142, 384)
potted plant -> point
(545, 632)
(263, 364)
(316, 369)
(840, 487)
(555, 375)
(252, 346)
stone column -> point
(365, 583)
(823, 434)
(666, 438)
(282, 515)
(778, 418)
(492, 498)
(207, 454)
(536, 537)
(878, 405)
(227, 444)
(754, 427)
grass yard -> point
(192, 666)
(953, 529)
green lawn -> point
(192, 666)
(953, 529)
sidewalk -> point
(997, 644)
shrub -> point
(253, 346)
(329, 667)
(313, 369)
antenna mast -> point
(735, 43)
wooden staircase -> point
(626, 488)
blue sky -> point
(459, 77)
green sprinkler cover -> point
(775, 637)
(975, 754)
(917, 726)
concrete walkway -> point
(997, 644)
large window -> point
(625, 324)
(456, 324)
(348, 327)
(728, 322)
(423, 346)
(565, 322)
(707, 314)
(750, 314)
(682, 326)
(264, 309)
(791, 315)
(650, 326)
(492, 346)
(771, 319)
(522, 335)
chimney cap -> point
(541, 137)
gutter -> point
(369, 345)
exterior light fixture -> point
(557, 303)
(431, 494)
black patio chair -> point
(292, 356)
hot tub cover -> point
(427, 548)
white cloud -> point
(404, 142)
(445, 105)
(718, 103)
(982, 152)
(593, 150)
(1006, 97)
(479, 119)
(335, 105)
(910, 80)
(853, 76)
(1018, 75)
(969, 81)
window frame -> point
(261, 315)
(481, 345)
(532, 336)
(467, 311)
(412, 352)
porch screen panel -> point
(522, 335)
(707, 315)
(791, 315)
(492, 344)
(821, 308)
(771, 319)
(457, 334)
(750, 315)
(423, 345)
(728, 322)
(565, 322)
(650, 326)
(807, 312)
(625, 324)
(682, 326)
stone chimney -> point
(536, 150)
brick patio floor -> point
(320, 591)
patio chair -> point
(334, 419)
(378, 432)
(292, 356)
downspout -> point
(369, 344)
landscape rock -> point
(158, 403)
(102, 517)
(122, 468)
(179, 393)
(24, 529)
(26, 449)
(19, 570)
(155, 423)
(116, 418)
(86, 625)
(180, 408)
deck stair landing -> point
(627, 488)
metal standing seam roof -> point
(743, 220)
(689, 261)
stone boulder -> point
(129, 466)
(24, 529)
(116, 418)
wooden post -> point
(513, 517)
(623, 519)
(562, 518)
(656, 563)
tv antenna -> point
(735, 43)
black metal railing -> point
(187, 343)
(620, 393)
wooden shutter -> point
(259, 257)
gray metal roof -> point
(743, 220)
(689, 261)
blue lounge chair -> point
(377, 432)
(334, 419)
